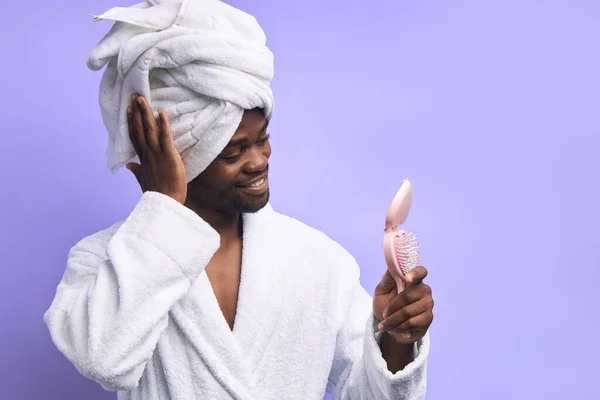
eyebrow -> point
(238, 142)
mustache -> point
(258, 173)
(252, 175)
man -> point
(205, 291)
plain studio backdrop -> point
(491, 108)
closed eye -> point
(231, 158)
(237, 155)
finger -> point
(165, 135)
(406, 313)
(419, 323)
(386, 285)
(416, 275)
(403, 335)
(132, 137)
(410, 295)
(150, 128)
(138, 126)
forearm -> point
(112, 304)
(396, 355)
(400, 374)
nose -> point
(258, 158)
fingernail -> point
(405, 335)
(140, 100)
(385, 314)
(129, 110)
(380, 327)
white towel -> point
(203, 61)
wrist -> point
(396, 354)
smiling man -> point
(224, 185)
(204, 291)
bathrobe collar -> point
(232, 355)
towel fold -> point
(203, 61)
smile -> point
(258, 187)
(256, 184)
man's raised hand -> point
(161, 168)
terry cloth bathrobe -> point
(136, 312)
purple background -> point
(492, 108)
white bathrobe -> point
(136, 312)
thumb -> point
(136, 169)
(386, 285)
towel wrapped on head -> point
(202, 61)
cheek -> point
(226, 178)
(218, 175)
(206, 190)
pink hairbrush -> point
(400, 248)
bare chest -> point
(224, 271)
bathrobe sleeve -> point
(112, 303)
(359, 371)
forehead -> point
(253, 121)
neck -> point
(227, 225)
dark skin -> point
(405, 317)
(221, 193)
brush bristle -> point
(407, 250)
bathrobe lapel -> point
(231, 356)
(262, 286)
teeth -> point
(255, 184)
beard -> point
(229, 199)
(245, 203)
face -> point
(236, 181)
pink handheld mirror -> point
(400, 248)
